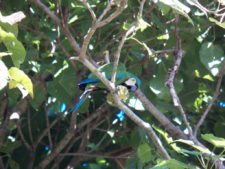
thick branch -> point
(163, 120)
(156, 141)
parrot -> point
(124, 80)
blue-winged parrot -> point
(92, 83)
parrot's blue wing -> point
(89, 80)
(82, 85)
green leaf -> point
(13, 164)
(18, 79)
(173, 164)
(222, 25)
(216, 141)
(101, 160)
(144, 153)
(9, 147)
(40, 94)
(10, 28)
(179, 7)
(63, 87)
(211, 57)
(157, 84)
(164, 8)
(14, 46)
(191, 144)
(4, 75)
(169, 140)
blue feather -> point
(80, 102)
(89, 80)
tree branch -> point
(127, 111)
(57, 21)
(118, 52)
(157, 142)
(170, 81)
(87, 5)
(67, 138)
(163, 120)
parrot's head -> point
(131, 84)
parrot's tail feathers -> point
(80, 101)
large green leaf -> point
(9, 147)
(144, 153)
(191, 144)
(211, 56)
(10, 28)
(14, 46)
(18, 79)
(63, 87)
(40, 94)
(216, 141)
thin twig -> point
(87, 39)
(49, 130)
(106, 10)
(170, 81)
(27, 145)
(118, 52)
(87, 5)
(45, 132)
(29, 128)
(100, 23)
(141, 8)
(118, 11)
(215, 95)
(131, 30)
